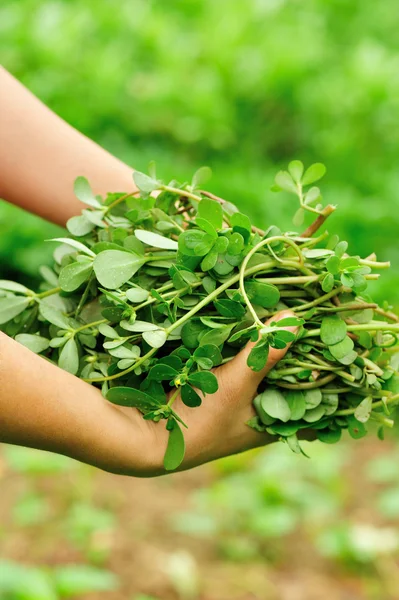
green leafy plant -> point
(156, 288)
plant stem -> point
(134, 366)
(392, 401)
(47, 293)
(182, 193)
(173, 397)
(89, 325)
(309, 385)
(119, 200)
(319, 300)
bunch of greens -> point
(156, 288)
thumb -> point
(249, 378)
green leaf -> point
(313, 398)
(36, 343)
(79, 225)
(201, 176)
(190, 397)
(210, 351)
(328, 283)
(342, 348)
(216, 337)
(257, 358)
(295, 169)
(240, 222)
(330, 403)
(229, 308)
(176, 448)
(155, 338)
(210, 260)
(263, 416)
(12, 286)
(144, 183)
(75, 244)
(284, 181)
(313, 173)
(211, 211)
(332, 330)
(329, 436)
(356, 429)
(314, 414)
(275, 405)
(113, 268)
(262, 294)
(137, 294)
(341, 248)
(316, 252)
(189, 240)
(156, 240)
(84, 193)
(296, 402)
(299, 217)
(207, 227)
(73, 275)
(363, 410)
(69, 357)
(54, 316)
(205, 381)
(160, 372)
(11, 307)
(127, 396)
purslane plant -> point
(154, 289)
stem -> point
(173, 397)
(265, 242)
(182, 193)
(310, 385)
(375, 263)
(88, 325)
(116, 375)
(393, 400)
(119, 200)
(319, 300)
(327, 211)
(84, 295)
(48, 293)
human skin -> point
(44, 407)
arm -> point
(41, 156)
(50, 409)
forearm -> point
(44, 407)
(41, 156)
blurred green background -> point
(243, 87)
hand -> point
(217, 428)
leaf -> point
(296, 402)
(205, 381)
(363, 410)
(210, 351)
(156, 240)
(295, 169)
(54, 316)
(314, 414)
(73, 275)
(275, 405)
(161, 372)
(189, 240)
(84, 193)
(342, 348)
(69, 357)
(262, 294)
(216, 337)
(328, 283)
(312, 195)
(79, 225)
(12, 286)
(75, 244)
(341, 248)
(299, 217)
(113, 268)
(139, 326)
(176, 448)
(329, 436)
(201, 176)
(356, 429)
(190, 397)
(144, 183)
(330, 403)
(241, 222)
(36, 343)
(316, 252)
(284, 181)
(229, 308)
(12, 306)
(258, 356)
(127, 396)
(288, 322)
(332, 330)
(207, 227)
(137, 294)
(210, 260)
(211, 211)
(313, 398)
(313, 173)
(155, 338)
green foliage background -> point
(243, 87)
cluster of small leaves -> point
(155, 288)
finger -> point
(239, 365)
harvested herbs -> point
(155, 288)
